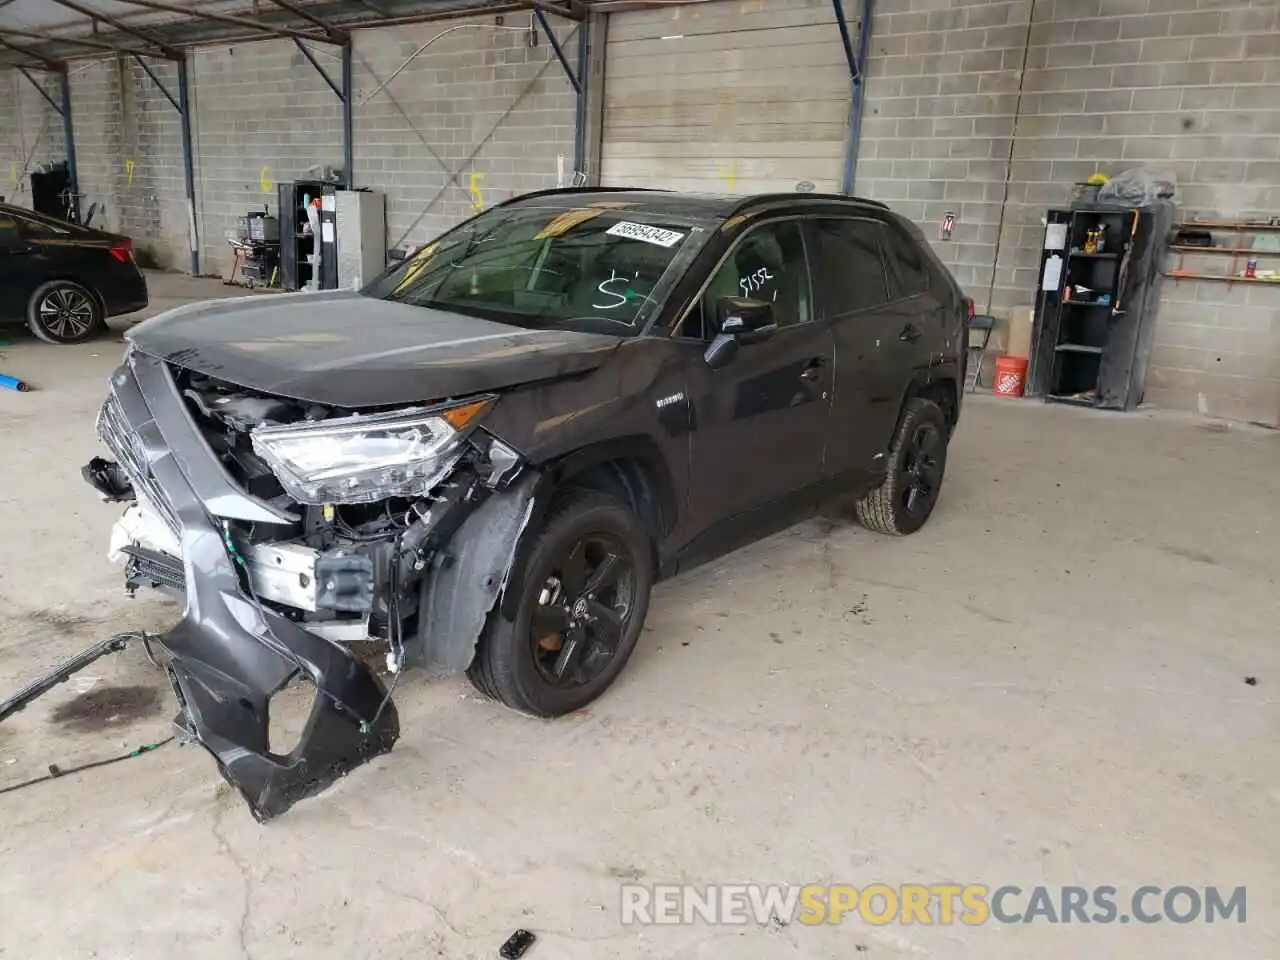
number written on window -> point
(755, 281)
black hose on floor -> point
(55, 771)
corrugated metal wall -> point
(736, 96)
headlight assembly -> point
(364, 459)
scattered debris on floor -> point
(517, 945)
(1251, 681)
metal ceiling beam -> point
(574, 80)
(45, 63)
(568, 12)
(171, 52)
(48, 97)
(334, 34)
(227, 18)
(324, 74)
(146, 68)
(74, 41)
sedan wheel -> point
(63, 312)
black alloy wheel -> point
(920, 476)
(582, 598)
(582, 611)
(913, 475)
(63, 312)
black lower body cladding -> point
(228, 655)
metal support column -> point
(857, 75)
(580, 108)
(576, 80)
(343, 91)
(182, 103)
(64, 81)
(188, 164)
(348, 126)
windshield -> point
(598, 269)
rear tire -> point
(63, 312)
(917, 464)
(581, 609)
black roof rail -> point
(761, 199)
(556, 191)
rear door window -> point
(852, 266)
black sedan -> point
(62, 279)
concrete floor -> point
(1044, 686)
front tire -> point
(582, 605)
(917, 464)
(62, 312)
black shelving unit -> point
(1092, 334)
(297, 243)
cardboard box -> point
(1019, 342)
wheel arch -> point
(630, 468)
(939, 384)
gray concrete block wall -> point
(12, 156)
(151, 197)
(1187, 86)
(478, 108)
(479, 100)
(1190, 86)
(30, 131)
(96, 120)
(938, 118)
(262, 115)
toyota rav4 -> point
(484, 460)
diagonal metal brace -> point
(42, 91)
(319, 69)
(156, 80)
(574, 79)
(855, 71)
(64, 671)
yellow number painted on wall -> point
(473, 184)
(728, 173)
(128, 172)
(264, 182)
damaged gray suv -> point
(483, 461)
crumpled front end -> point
(231, 654)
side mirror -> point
(742, 322)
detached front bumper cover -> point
(228, 655)
(225, 685)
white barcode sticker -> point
(641, 231)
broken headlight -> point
(364, 459)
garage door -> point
(731, 96)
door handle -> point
(910, 333)
(814, 369)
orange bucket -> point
(1011, 376)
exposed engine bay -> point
(304, 528)
(344, 571)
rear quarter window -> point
(36, 229)
(907, 262)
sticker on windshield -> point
(641, 231)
